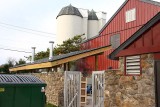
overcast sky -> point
(38, 15)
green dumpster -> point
(21, 91)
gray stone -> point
(131, 91)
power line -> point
(27, 28)
(12, 47)
(27, 32)
(15, 50)
(27, 41)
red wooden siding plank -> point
(138, 51)
(144, 12)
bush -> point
(50, 105)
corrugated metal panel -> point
(19, 79)
(144, 12)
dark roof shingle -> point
(58, 57)
(69, 10)
(92, 15)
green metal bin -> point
(21, 91)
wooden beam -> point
(138, 51)
(67, 67)
(61, 61)
(96, 62)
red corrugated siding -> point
(150, 38)
(148, 42)
(144, 12)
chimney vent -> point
(33, 53)
(51, 49)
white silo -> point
(93, 24)
(69, 23)
(101, 19)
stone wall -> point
(55, 86)
(131, 91)
(120, 90)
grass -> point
(50, 105)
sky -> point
(39, 15)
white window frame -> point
(133, 65)
(130, 15)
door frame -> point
(157, 99)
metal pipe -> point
(51, 49)
(33, 53)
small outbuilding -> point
(21, 91)
(140, 58)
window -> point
(130, 15)
(115, 41)
(133, 65)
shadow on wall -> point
(61, 98)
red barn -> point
(128, 19)
(140, 59)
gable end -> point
(149, 24)
(113, 16)
(146, 1)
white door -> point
(72, 88)
(98, 88)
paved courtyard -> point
(89, 101)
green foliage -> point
(67, 46)
(10, 63)
(1, 68)
(42, 54)
(5, 67)
(20, 62)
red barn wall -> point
(144, 12)
(146, 43)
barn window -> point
(133, 65)
(115, 41)
(130, 15)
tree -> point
(1, 69)
(67, 46)
(42, 54)
(5, 67)
(20, 62)
(10, 63)
(70, 45)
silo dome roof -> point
(69, 10)
(92, 15)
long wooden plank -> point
(61, 61)
(138, 51)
